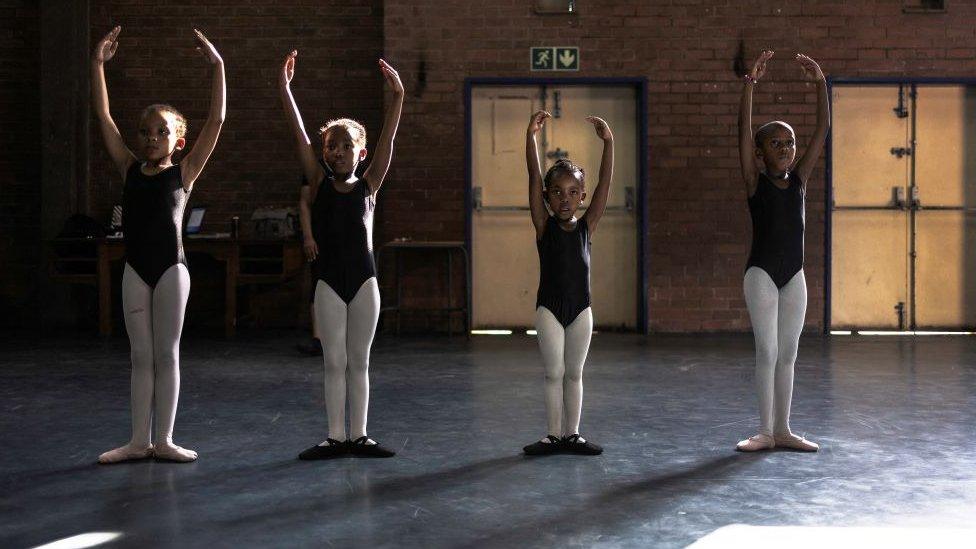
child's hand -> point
(107, 46)
(288, 69)
(392, 77)
(311, 249)
(601, 127)
(537, 121)
(759, 67)
(206, 48)
(811, 70)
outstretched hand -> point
(759, 67)
(392, 77)
(288, 68)
(601, 127)
(537, 121)
(106, 47)
(811, 70)
(206, 48)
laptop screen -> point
(195, 220)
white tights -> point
(777, 319)
(346, 333)
(563, 354)
(154, 322)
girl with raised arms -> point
(337, 222)
(774, 285)
(155, 280)
(564, 320)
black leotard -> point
(778, 221)
(564, 270)
(152, 221)
(342, 224)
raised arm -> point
(376, 172)
(122, 157)
(747, 145)
(598, 203)
(196, 159)
(537, 202)
(310, 166)
(811, 70)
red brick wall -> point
(20, 157)
(699, 229)
(255, 163)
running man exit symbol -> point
(554, 59)
(543, 59)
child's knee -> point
(555, 374)
(573, 375)
(141, 356)
(358, 364)
(767, 354)
(785, 359)
(166, 358)
(335, 362)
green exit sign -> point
(554, 59)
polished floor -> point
(896, 419)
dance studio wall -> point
(20, 158)
(699, 232)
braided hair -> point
(563, 166)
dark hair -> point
(564, 166)
(768, 128)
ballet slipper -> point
(128, 452)
(168, 451)
(756, 443)
(789, 440)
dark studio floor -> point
(896, 419)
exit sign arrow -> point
(567, 59)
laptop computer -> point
(195, 220)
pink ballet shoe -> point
(795, 442)
(125, 453)
(167, 451)
(756, 443)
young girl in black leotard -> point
(774, 285)
(337, 222)
(155, 282)
(564, 321)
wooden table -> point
(222, 249)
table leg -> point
(104, 292)
(230, 296)
(450, 290)
(399, 288)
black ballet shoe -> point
(361, 448)
(540, 448)
(573, 445)
(333, 449)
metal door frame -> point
(829, 187)
(640, 85)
